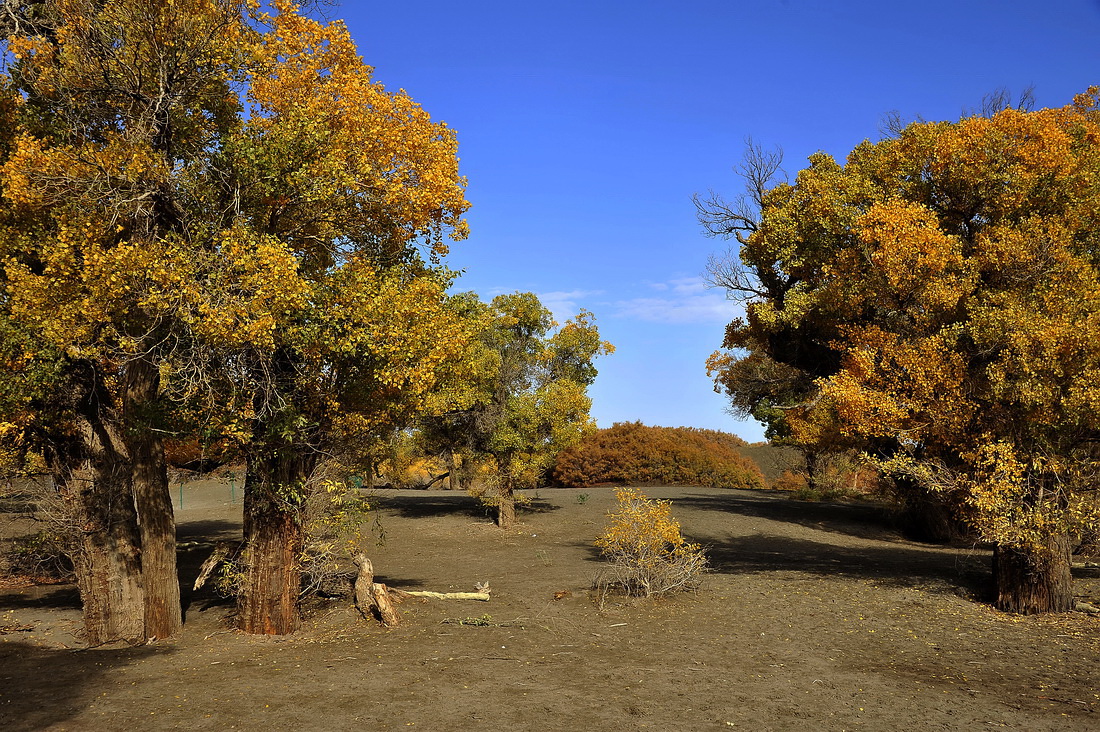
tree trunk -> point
(273, 536)
(812, 459)
(153, 501)
(506, 509)
(455, 481)
(1034, 580)
(92, 472)
(107, 559)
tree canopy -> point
(525, 399)
(212, 216)
(935, 300)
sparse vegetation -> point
(41, 557)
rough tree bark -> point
(1038, 580)
(268, 604)
(506, 508)
(153, 502)
(107, 560)
(92, 471)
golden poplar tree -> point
(208, 202)
(935, 301)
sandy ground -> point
(816, 617)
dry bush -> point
(43, 557)
(45, 554)
(339, 523)
(631, 452)
(646, 553)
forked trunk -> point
(1034, 580)
(506, 509)
(153, 501)
(273, 536)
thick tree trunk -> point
(107, 559)
(153, 501)
(92, 472)
(506, 509)
(1037, 580)
(268, 604)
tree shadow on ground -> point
(43, 687)
(209, 530)
(859, 520)
(431, 505)
(40, 597)
(930, 569)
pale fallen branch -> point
(483, 596)
(221, 553)
(375, 599)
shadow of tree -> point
(859, 520)
(41, 596)
(208, 530)
(880, 554)
(429, 505)
(931, 569)
(43, 687)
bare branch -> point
(760, 169)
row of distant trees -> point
(216, 229)
(628, 453)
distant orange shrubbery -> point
(631, 452)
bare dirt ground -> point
(816, 617)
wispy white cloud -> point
(565, 304)
(682, 300)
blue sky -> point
(585, 127)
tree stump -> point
(373, 598)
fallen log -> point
(221, 553)
(483, 596)
(374, 599)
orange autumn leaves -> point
(940, 292)
(189, 180)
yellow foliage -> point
(936, 299)
(647, 552)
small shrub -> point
(339, 523)
(646, 552)
(582, 498)
(43, 557)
